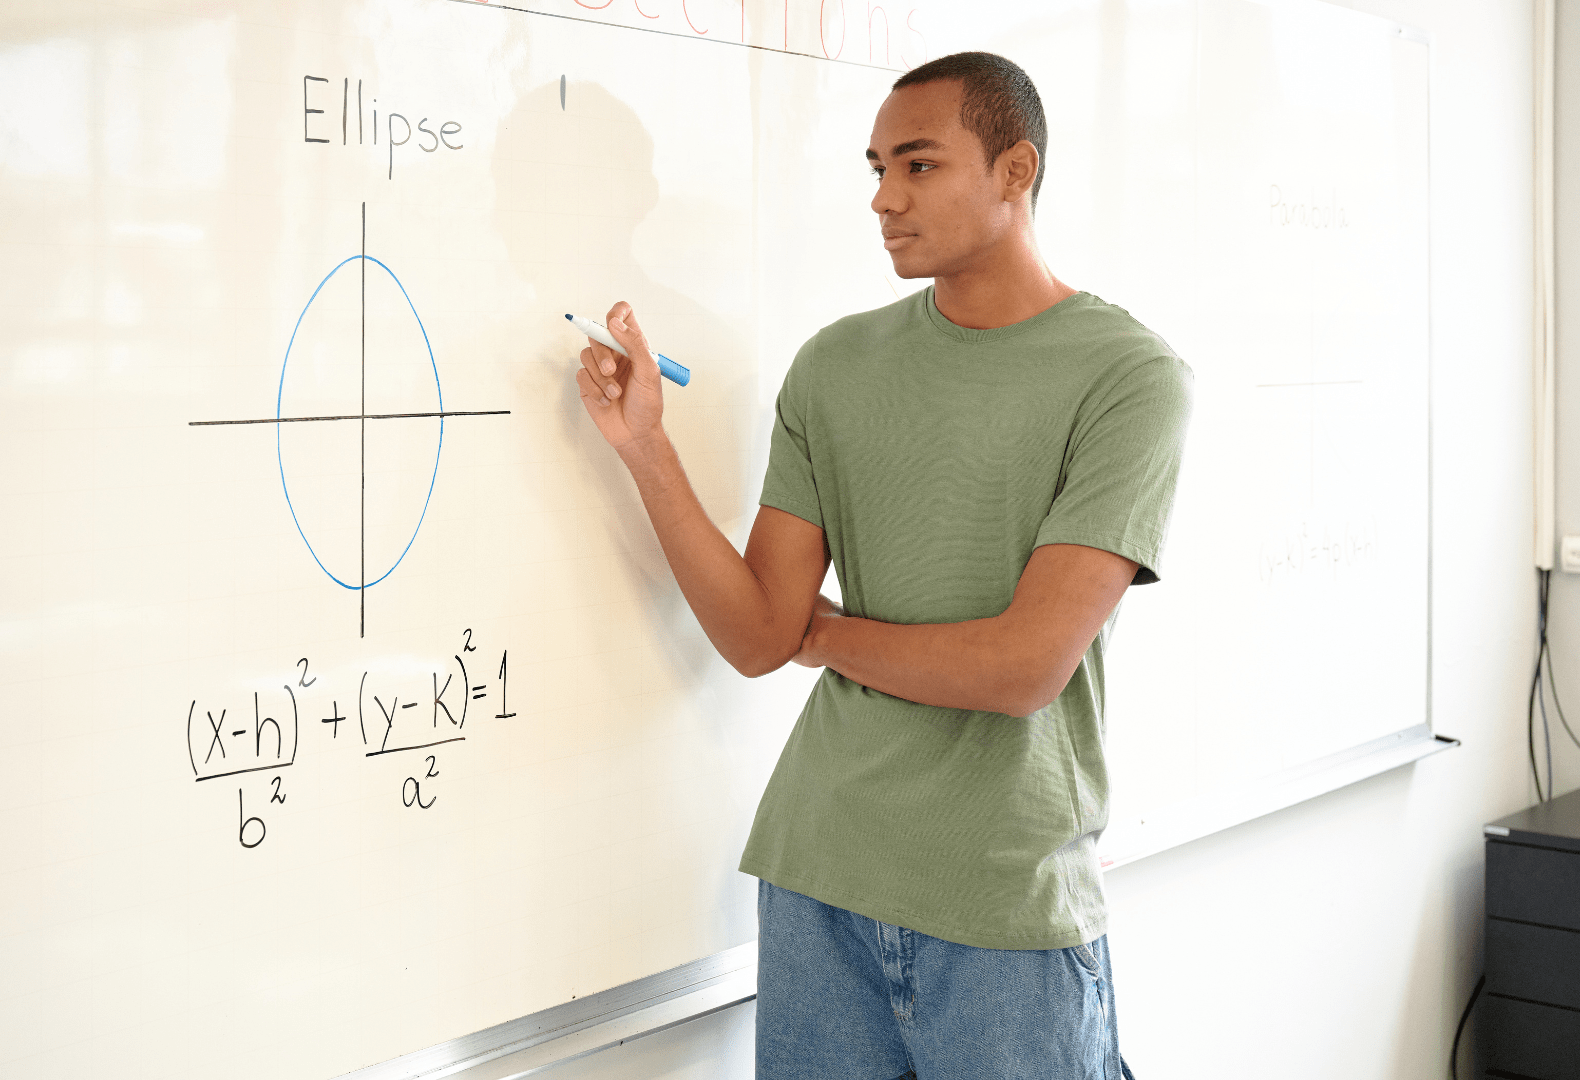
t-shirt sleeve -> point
(789, 484)
(1118, 487)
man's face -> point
(939, 204)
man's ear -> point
(1019, 164)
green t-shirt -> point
(936, 458)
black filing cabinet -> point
(1529, 1021)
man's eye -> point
(920, 166)
(877, 171)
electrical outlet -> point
(1569, 555)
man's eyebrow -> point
(908, 148)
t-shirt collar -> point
(996, 333)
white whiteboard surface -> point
(175, 250)
(1296, 622)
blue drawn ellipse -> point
(280, 398)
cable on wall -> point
(1544, 684)
(1453, 1054)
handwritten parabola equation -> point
(382, 714)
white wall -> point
(1341, 937)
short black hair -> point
(998, 103)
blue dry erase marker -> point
(598, 332)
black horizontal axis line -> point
(354, 416)
(423, 746)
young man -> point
(990, 463)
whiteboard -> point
(1296, 625)
(330, 740)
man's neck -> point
(1010, 290)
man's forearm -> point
(727, 598)
(964, 665)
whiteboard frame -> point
(575, 1029)
(1218, 811)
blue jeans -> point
(844, 997)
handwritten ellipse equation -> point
(416, 712)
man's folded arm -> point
(1015, 662)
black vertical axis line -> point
(362, 591)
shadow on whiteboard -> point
(593, 153)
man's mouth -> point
(893, 239)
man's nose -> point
(887, 200)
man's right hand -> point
(623, 395)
